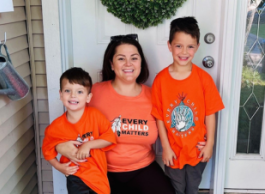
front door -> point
(92, 27)
(246, 156)
(87, 27)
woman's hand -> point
(69, 150)
(168, 156)
(206, 153)
(66, 169)
(201, 145)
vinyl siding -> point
(42, 110)
(18, 169)
(22, 123)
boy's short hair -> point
(188, 25)
(77, 75)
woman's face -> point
(126, 63)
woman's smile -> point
(126, 63)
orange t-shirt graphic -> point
(183, 105)
(132, 122)
(92, 125)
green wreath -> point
(143, 13)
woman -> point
(126, 102)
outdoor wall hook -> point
(4, 41)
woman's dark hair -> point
(109, 74)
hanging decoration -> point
(143, 13)
(11, 83)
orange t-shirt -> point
(183, 105)
(92, 125)
(134, 126)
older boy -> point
(86, 125)
(185, 100)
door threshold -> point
(240, 191)
(204, 191)
(234, 191)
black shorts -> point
(76, 186)
(148, 180)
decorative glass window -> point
(253, 81)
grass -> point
(252, 80)
(250, 75)
(261, 30)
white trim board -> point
(236, 191)
(66, 34)
(51, 27)
(227, 42)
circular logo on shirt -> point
(182, 118)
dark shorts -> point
(186, 180)
(148, 180)
(76, 186)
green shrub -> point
(143, 13)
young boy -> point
(185, 100)
(84, 124)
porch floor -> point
(208, 191)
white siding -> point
(42, 110)
(20, 133)
(17, 148)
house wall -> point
(22, 123)
(41, 96)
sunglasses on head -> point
(121, 37)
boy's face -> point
(183, 48)
(74, 96)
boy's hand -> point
(168, 156)
(66, 169)
(69, 150)
(83, 151)
(206, 153)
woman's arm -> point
(64, 168)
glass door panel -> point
(253, 81)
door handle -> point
(208, 62)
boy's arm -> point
(84, 150)
(207, 151)
(168, 153)
(69, 150)
(64, 168)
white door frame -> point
(236, 73)
(229, 10)
(55, 65)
